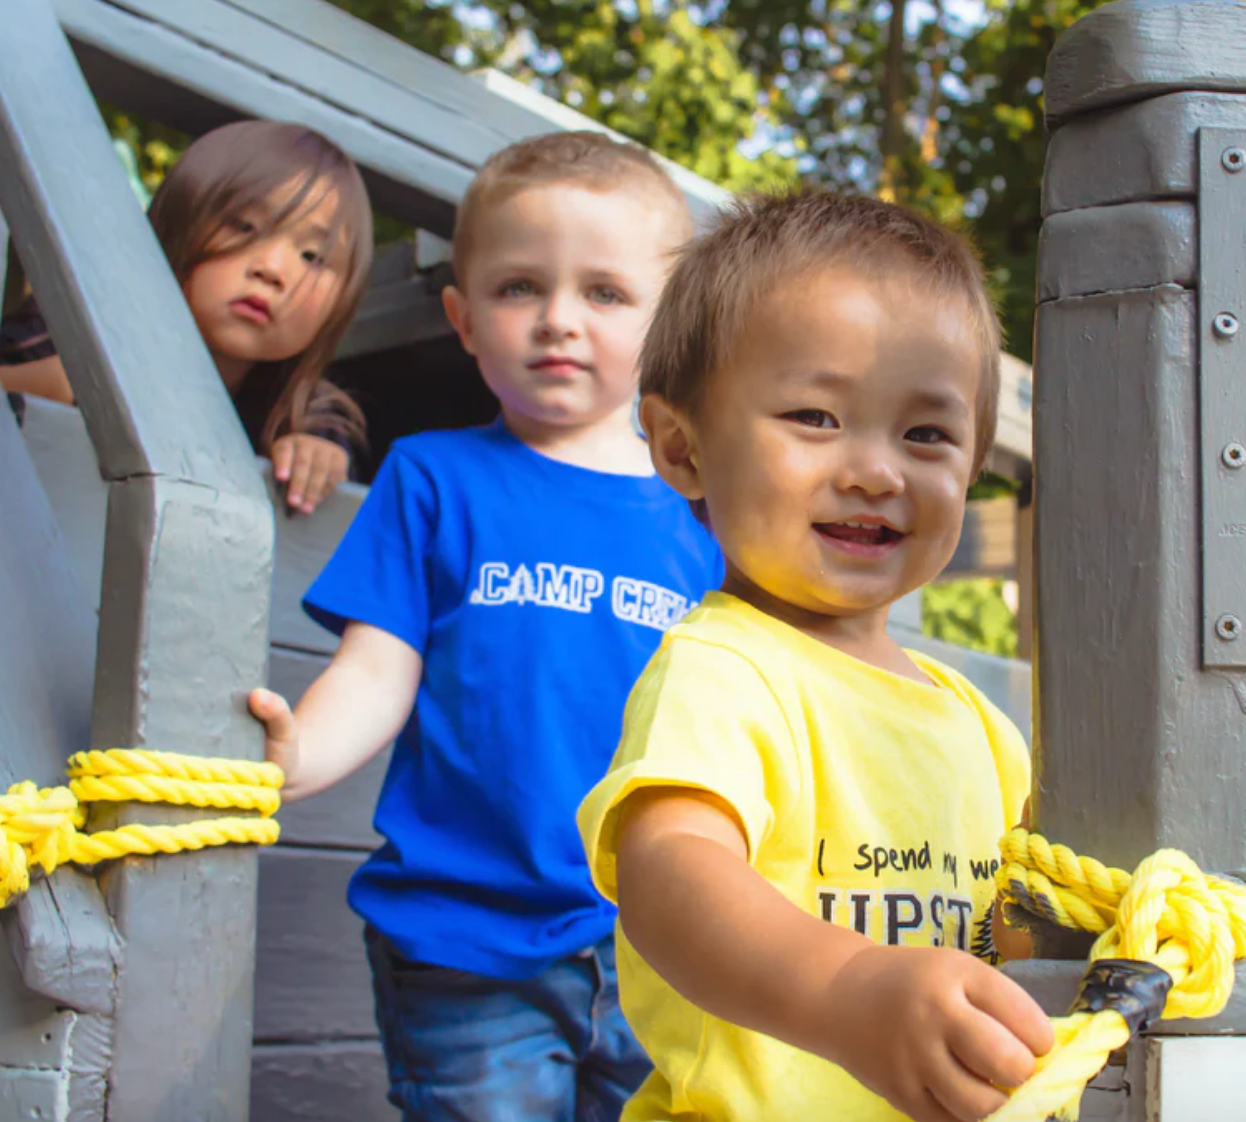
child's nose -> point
(558, 319)
(270, 262)
(870, 468)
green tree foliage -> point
(654, 70)
(971, 613)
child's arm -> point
(44, 377)
(348, 714)
(929, 1029)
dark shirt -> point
(24, 337)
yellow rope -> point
(1168, 913)
(41, 828)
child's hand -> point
(281, 735)
(934, 1031)
(311, 467)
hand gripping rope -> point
(1168, 938)
(41, 828)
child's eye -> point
(602, 294)
(517, 288)
(240, 225)
(314, 257)
(812, 418)
(927, 434)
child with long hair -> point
(267, 227)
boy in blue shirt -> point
(498, 594)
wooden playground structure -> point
(144, 579)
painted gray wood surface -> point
(341, 817)
(1132, 49)
(60, 175)
(319, 1083)
(1109, 249)
(311, 973)
(188, 549)
(162, 74)
(62, 951)
(1141, 151)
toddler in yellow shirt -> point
(801, 823)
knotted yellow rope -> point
(41, 828)
(1169, 914)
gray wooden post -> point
(183, 619)
(1141, 511)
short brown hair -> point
(764, 240)
(237, 168)
(591, 159)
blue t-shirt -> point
(536, 592)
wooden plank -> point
(119, 342)
(1014, 430)
(173, 79)
(329, 28)
(1141, 151)
(1136, 49)
(304, 544)
(321, 1083)
(1114, 248)
(414, 112)
(59, 934)
(312, 980)
(58, 445)
(1140, 749)
(395, 315)
(340, 817)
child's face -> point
(267, 301)
(557, 297)
(835, 448)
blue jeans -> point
(462, 1047)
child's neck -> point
(609, 445)
(863, 636)
(233, 371)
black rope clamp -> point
(1135, 990)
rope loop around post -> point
(1187, 929)
(42, 828)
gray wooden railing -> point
(1140, 405)
(189, 540)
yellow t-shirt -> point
(868, 799)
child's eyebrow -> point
(941, 401)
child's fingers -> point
(988, 1051)
(318, 486)
(1001, 999)
(300, 471)
(958, 1094)
(283, 457)
(274, 711)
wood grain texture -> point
(343, 1082)
(304, 545)
(1137, 748)
(312, 980)
(119, 341)
(1134, 49)
(169, 77)
(1134, 153)
(1111, 249)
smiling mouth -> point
(861, 535)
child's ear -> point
(672, 446)
(459, 314)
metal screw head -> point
(1228, 627)
(1225, 325)
(1233, 159)
(1233, 455)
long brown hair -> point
(238, 168)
